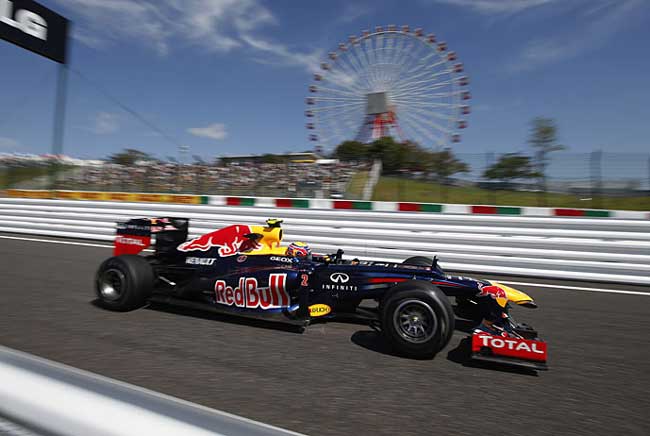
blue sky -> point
(231, 76)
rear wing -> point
(137, 234)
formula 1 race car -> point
(244, 270)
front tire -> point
(124, 283)
(416, 319)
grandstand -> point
(291, 179)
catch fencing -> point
(599, 179)
(596, 249)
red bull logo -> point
(248, 295)
(230, 240)
(492, 291)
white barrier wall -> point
(598, 249)
(62, 400)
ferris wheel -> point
(390, 82)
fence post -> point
(596, 161)
(648, 174)
(541, 165)
(489, 161)
(148, 172)
(123, 176)
(400, 186)
(59, 123)
(9, 179)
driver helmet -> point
(299, 250)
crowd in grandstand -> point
(304, 179)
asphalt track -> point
(338, 378)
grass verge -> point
(398, 189)
(354, 190)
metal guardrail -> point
(39, 397)
(607, 250)
(10, 428)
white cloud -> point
(216, 131)
(88, 39)
(104, 21)
(205, 23)
(105, 123)
(283, 55)
(594, 28)
(496, 6)
(213, 25)
(353, 11)
(9, 143)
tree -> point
(543, 139)
(128, 157)
(393, 155)
(511, 166)
(351, 150)
(273, 158)
(413, 158)
(444, 164)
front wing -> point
(525, 353)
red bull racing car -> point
(245, 270)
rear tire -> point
(416, 319)
(124, 283)
(419, 261)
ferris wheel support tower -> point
(389, 82)
(380, 119)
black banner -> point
(35, 28)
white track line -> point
(52, 241)
(539, 285)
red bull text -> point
(248, 295)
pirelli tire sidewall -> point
(432, 297)
(135, 277)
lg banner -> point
(34, 27)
